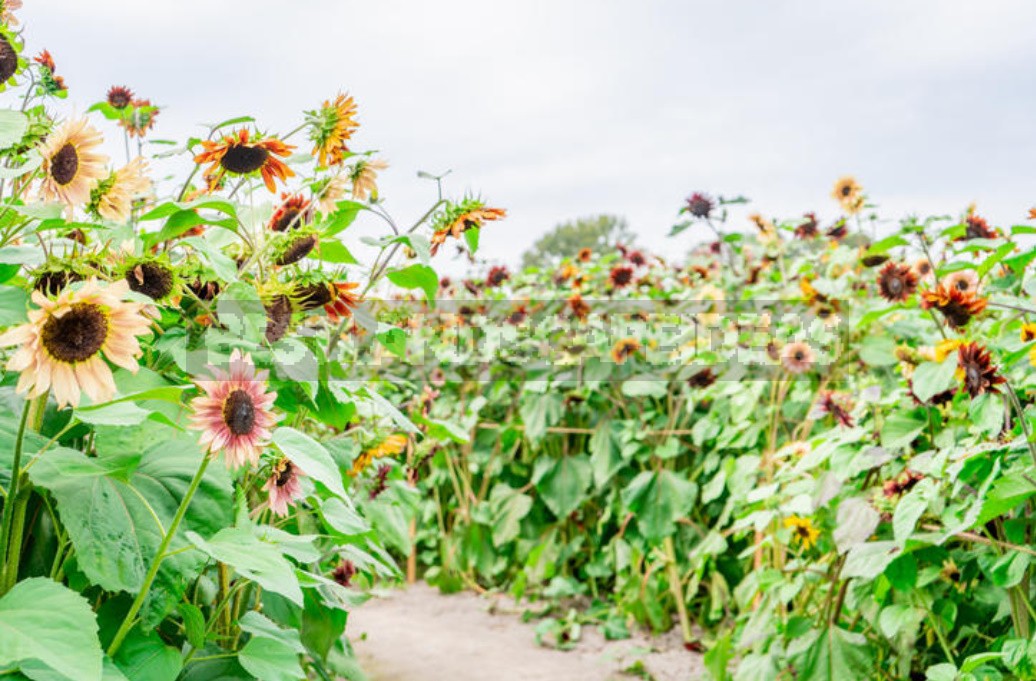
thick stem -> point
(138, 602)
(12, 498)
(676, 587)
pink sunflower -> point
(234, 413)
(283, 487)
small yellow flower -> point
(1028, 332)
(802, 531)
(849, 194)
(947, 347)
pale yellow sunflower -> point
(66, 340)
(114, 197)
(365, 178)
(71, 165)
(330, 194)
(849, 194)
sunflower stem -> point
(1020, 411)
(138, 602)
(12, 496)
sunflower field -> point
(809, 447)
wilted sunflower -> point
(797, 357)
(153, 278)
(976, 370)
(976, 227)
(65, 342)
(119, 97)
(293, 247)
(330, 127)
(234, 412)
(50, 83)
(896, 282)
(240, 154)
(837, 405)
(702, 379)
(849, 194)
(965, 281)
(958, 307)
(624, 349)
(700, 205)
(459, 218)
(283, 487)
(364, 176)
(294, 211)
(52, 280)
(71, 166)
(809, 229)
(278, 317)
(113, 197)
(802, 531)
(9, 60)
(140, 119)
(329, 192)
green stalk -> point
(131, 616)
(676, 586)
(12, 497)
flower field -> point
(805, 445)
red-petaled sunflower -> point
(896, 282)
(71, 165)
(958, 307)
(330, 127)
(66, 340)
(459, 218)
(700, 205)
(119, 97)
(497, 276)
(624, 349)
(234, 412)
(976, 227)
(240, 154)
(294, 211)
(975, 366)
(343, 299)
(620, 276)
(140, 119)
(584, 254)
(808, 229)
(50, 82)
(579, 307)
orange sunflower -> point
(330, 128)
(459, 218)
(239, 154)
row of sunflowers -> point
(181, 428)
(808, 445)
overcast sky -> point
(565, 108)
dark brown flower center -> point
(278, 318)
(313, 296)
(77, 335)
(151, 279)
(297, 250)
(65, 164)
(239, 412)
(974, 375)
(119, 97)
(285, 473)
(8, 60)
(243, 158)
(287, 219)
(847, 189)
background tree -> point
(565, 240)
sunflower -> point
(945, 348)
(113, 197)
(278, 317)
(71, 166)
(390, 446)
(809, 229)
(797, 357)
(584, 254)
(119, 97)
(330, 193)
(343, 299)
(234, 411)
(1028, 332)
(141, 118)
(153, 278)
(343, 573)
(702, 379)
(294, 211)
(896, 282)
(834, 404)
(965, 281)
(802, 531)
(974, 364)
(7, 8)
(240, 154)
(620, 276)
(923, 269)
(65, 342)
(291, 248)
(330, 127)
(700, 205)
(283, 487)
(849, 194)
(580, 309)
(958, 307)
(50, 82)
(624, 349)
(976, 227)
(364, 176)
(497, 276)
(456, 219)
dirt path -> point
(421, 635)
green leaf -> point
(658, 499)
(341, 517)
(341, 218)
(13, 301)
(310, 456)
(417, 276)
(270, 660)
(241, 311)
(261, 626)
(333, 250)
(13, 125)
(563, 483)
(1002, 252)
(193, 624)
(508, 506)
(878, 351)
(930, 378)
(394, 341)
(254, 559)
(837, 655)
(540, 412)
(145, 656)
(471, 237)
(900, 429)
(908, 511)
(49, 632)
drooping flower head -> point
(329, 192)
(976, 227)
(809, 228)
(234, 411)
(283, 487)
(343, 574)
(141, 118)
(330, 127)
(113, 197)
(896, 282)
(294, 211)
(343, 299)
(7, 8)
(239, 153)
(976, 369)
(580, 308)
(71, 165)
(364, 176)
(119, 97)
(458, 218)
(849, 194)
(958, 307)
(10, 61)
(837, 405)
(152, 277)
(702, 379)
(66, 340)
(50, 83)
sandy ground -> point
(421, 635)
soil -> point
(422, 635)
